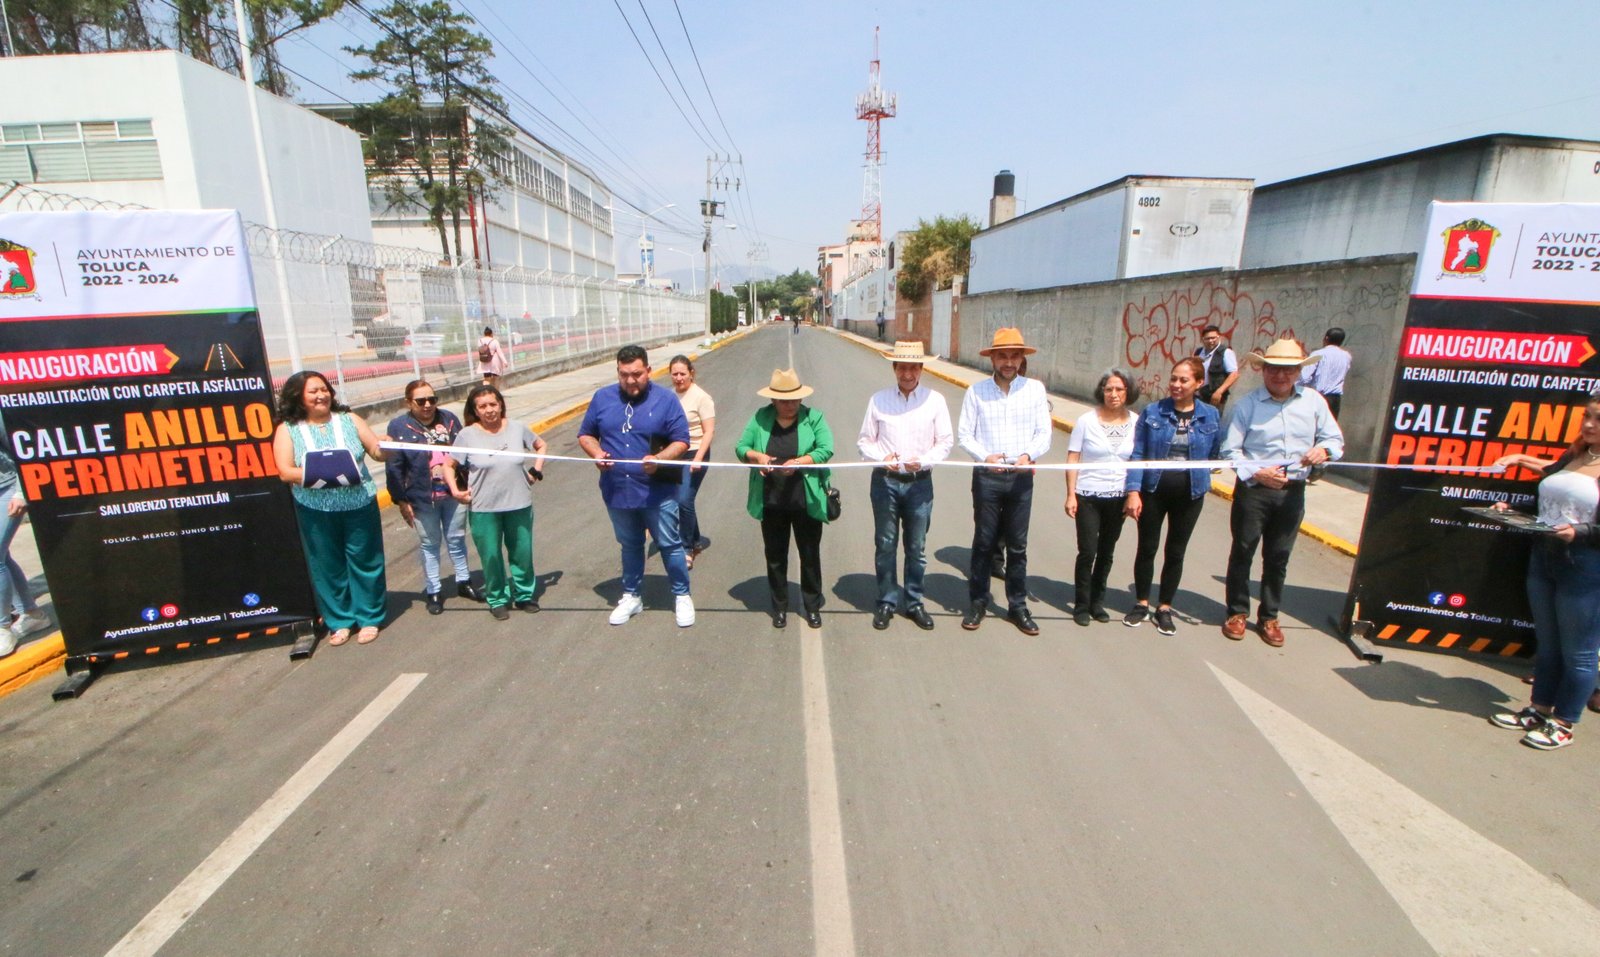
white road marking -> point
(1465, 894)
(831, 922)
(158, 926)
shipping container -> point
(1135, 226)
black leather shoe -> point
(919, 614)
(780, 618)
(1098, 612)
(530, 606)
(1023, 621)
(882, 617)
(469, 590)
(500, 612)
(435, 604)
(812, 618)
(974, 616)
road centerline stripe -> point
(1464, 893)
(165, 919)
(832, 924)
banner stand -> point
(1498, 357)
(137, 401)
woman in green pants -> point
(499, 499)
(336, 502)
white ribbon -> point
(1160, 465)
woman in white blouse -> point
(1096, 497)
(1563, 589)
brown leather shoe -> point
(1271, 633)
(1235, 627)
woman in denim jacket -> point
(1177, 427)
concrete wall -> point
(1144, 325)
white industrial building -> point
(1380, 207)
(548, 213)
(159, 129)
(1131, 227)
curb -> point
(1307, 529)
(41, 658)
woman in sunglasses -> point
(421, 484)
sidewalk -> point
(1334, 510)
(543, 403)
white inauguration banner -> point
(1530, 252)
(63, 265)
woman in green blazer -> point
(782, 434)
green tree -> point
(935, 253)
(202, 29)
(787, 294)
(434, 141)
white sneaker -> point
(29, 622)
(629, 606)
(8, 641)
(685, 610)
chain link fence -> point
(371, 317)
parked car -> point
(386, 338)
(426, 341)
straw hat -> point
(785, 385)
(1283, 353)
(907, 352)
(1008, 338)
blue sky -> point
(1065, 95)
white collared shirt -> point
(1011, 424)
(914, 428)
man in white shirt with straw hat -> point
(907, 429)
(1005, 423)
(1281, 421)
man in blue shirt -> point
(635, 420)
(1282, 421)
(1333, 364)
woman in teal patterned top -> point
(339, 527)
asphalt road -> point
(552, 785)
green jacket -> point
(816, 440)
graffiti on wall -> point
(1160, 330)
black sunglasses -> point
(426, 400)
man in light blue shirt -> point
(1333, 364)
(1276, 433)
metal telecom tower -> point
(873, 106)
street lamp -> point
(644, 239)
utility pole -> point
(716, 178)
(757, 253)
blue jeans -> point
(688, 518)
(443, 519)
(898, 505)
(1564, 591)
(16, 597)
(662, 520)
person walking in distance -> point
(1221, 368)
(1327, 375)
(491, 357)
(907, 429)
(634, 420)
(1281, 421)
(1005, 423)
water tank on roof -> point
(1005, 184)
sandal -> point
(367, 635)
(339, 637)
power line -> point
(663, 81)
(603, 138)
(673, 67)
(703, 80)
